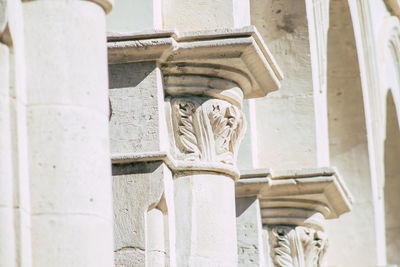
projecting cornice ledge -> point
(296, 197)
(238, 56)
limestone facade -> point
(213, 133)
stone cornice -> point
(297, 197)
(176, 166)
(236, 55)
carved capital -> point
(297, 246)
(294, 206)
(205, 131)
(205, 77)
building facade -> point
(218, 133)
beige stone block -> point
(67, 239)
(251, 245)
(63, 178)
(186, 15)
(79, 63)
(353, 227)
(137, 118)
(135, 16)
(155, 245)
(292, 120)
(138, 192)
(286, 124)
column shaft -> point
(205, 220)
(70, 175)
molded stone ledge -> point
(296, 197)
(176, 165)
(236, 55)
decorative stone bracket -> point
(206, 75)
(294, 205)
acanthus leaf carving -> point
(206, 129)
(298, 247)
(225, 123)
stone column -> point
(67, 111)
(204, 89)
(206, 132)
(294, 206)
(205, 77)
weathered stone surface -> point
(138, 188)
(137, 117)
(251, 245)
(209, 14)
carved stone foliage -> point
(206, 129)
(297, 246)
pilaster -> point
(294, 206)
(197, 82)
